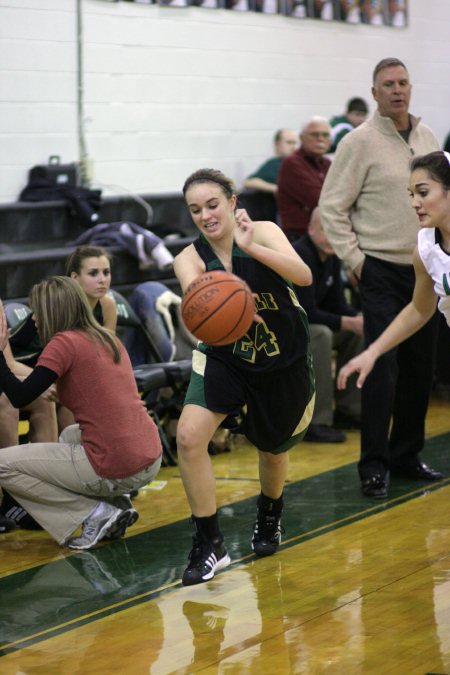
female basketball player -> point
(115, 448)
(268, 370)
(90, 266)
(430, 191)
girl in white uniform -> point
(430, 191)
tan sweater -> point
(364, 204)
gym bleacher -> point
(35, 238)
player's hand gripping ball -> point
(218, 308)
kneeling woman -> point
(114, 447)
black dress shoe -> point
(375, 487)
(419, 471)
(322, 433)
(344, 421)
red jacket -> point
(299, 184)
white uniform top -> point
(437, 264)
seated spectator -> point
(322, 9)
(265, 178)
(42, 420)
(334, 326)
(301, 178)
(348, 11)
(372, 12)
(43, 429)
(396, 13)
(356, 114)
(83, 479)
(297, 8)
(90, 267)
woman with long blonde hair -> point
(114, 446)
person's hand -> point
(50, 394)
(358, 271)
(355, 324)
(243, 233)
(4, 332)
(362, 364)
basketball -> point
(218, 308)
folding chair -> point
(22, 338)
(162, 383)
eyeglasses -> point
(319, 134)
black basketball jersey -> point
(283, 337)
(98, 313)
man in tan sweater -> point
(367, 215)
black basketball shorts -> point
(279, 404)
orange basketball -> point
(218, 307)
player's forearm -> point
(405, 324)
(260, 184)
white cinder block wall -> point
(168, 90)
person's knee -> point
(5, 465)
(65, 418)
(321, 336)
(191, 440)
(9, 423)
(186, 437)
(195, 429)
(271, 461)
(43, 425)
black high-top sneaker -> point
(267, 531)
(206, 558)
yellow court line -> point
(83, 617)
(375, 508)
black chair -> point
(259, 205)
(162, 384)
(24, 342)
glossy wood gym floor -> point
(358, 587)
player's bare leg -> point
(196, 427)
(272, 475)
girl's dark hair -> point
(437, 164)
(74, 262)
(210, 176)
